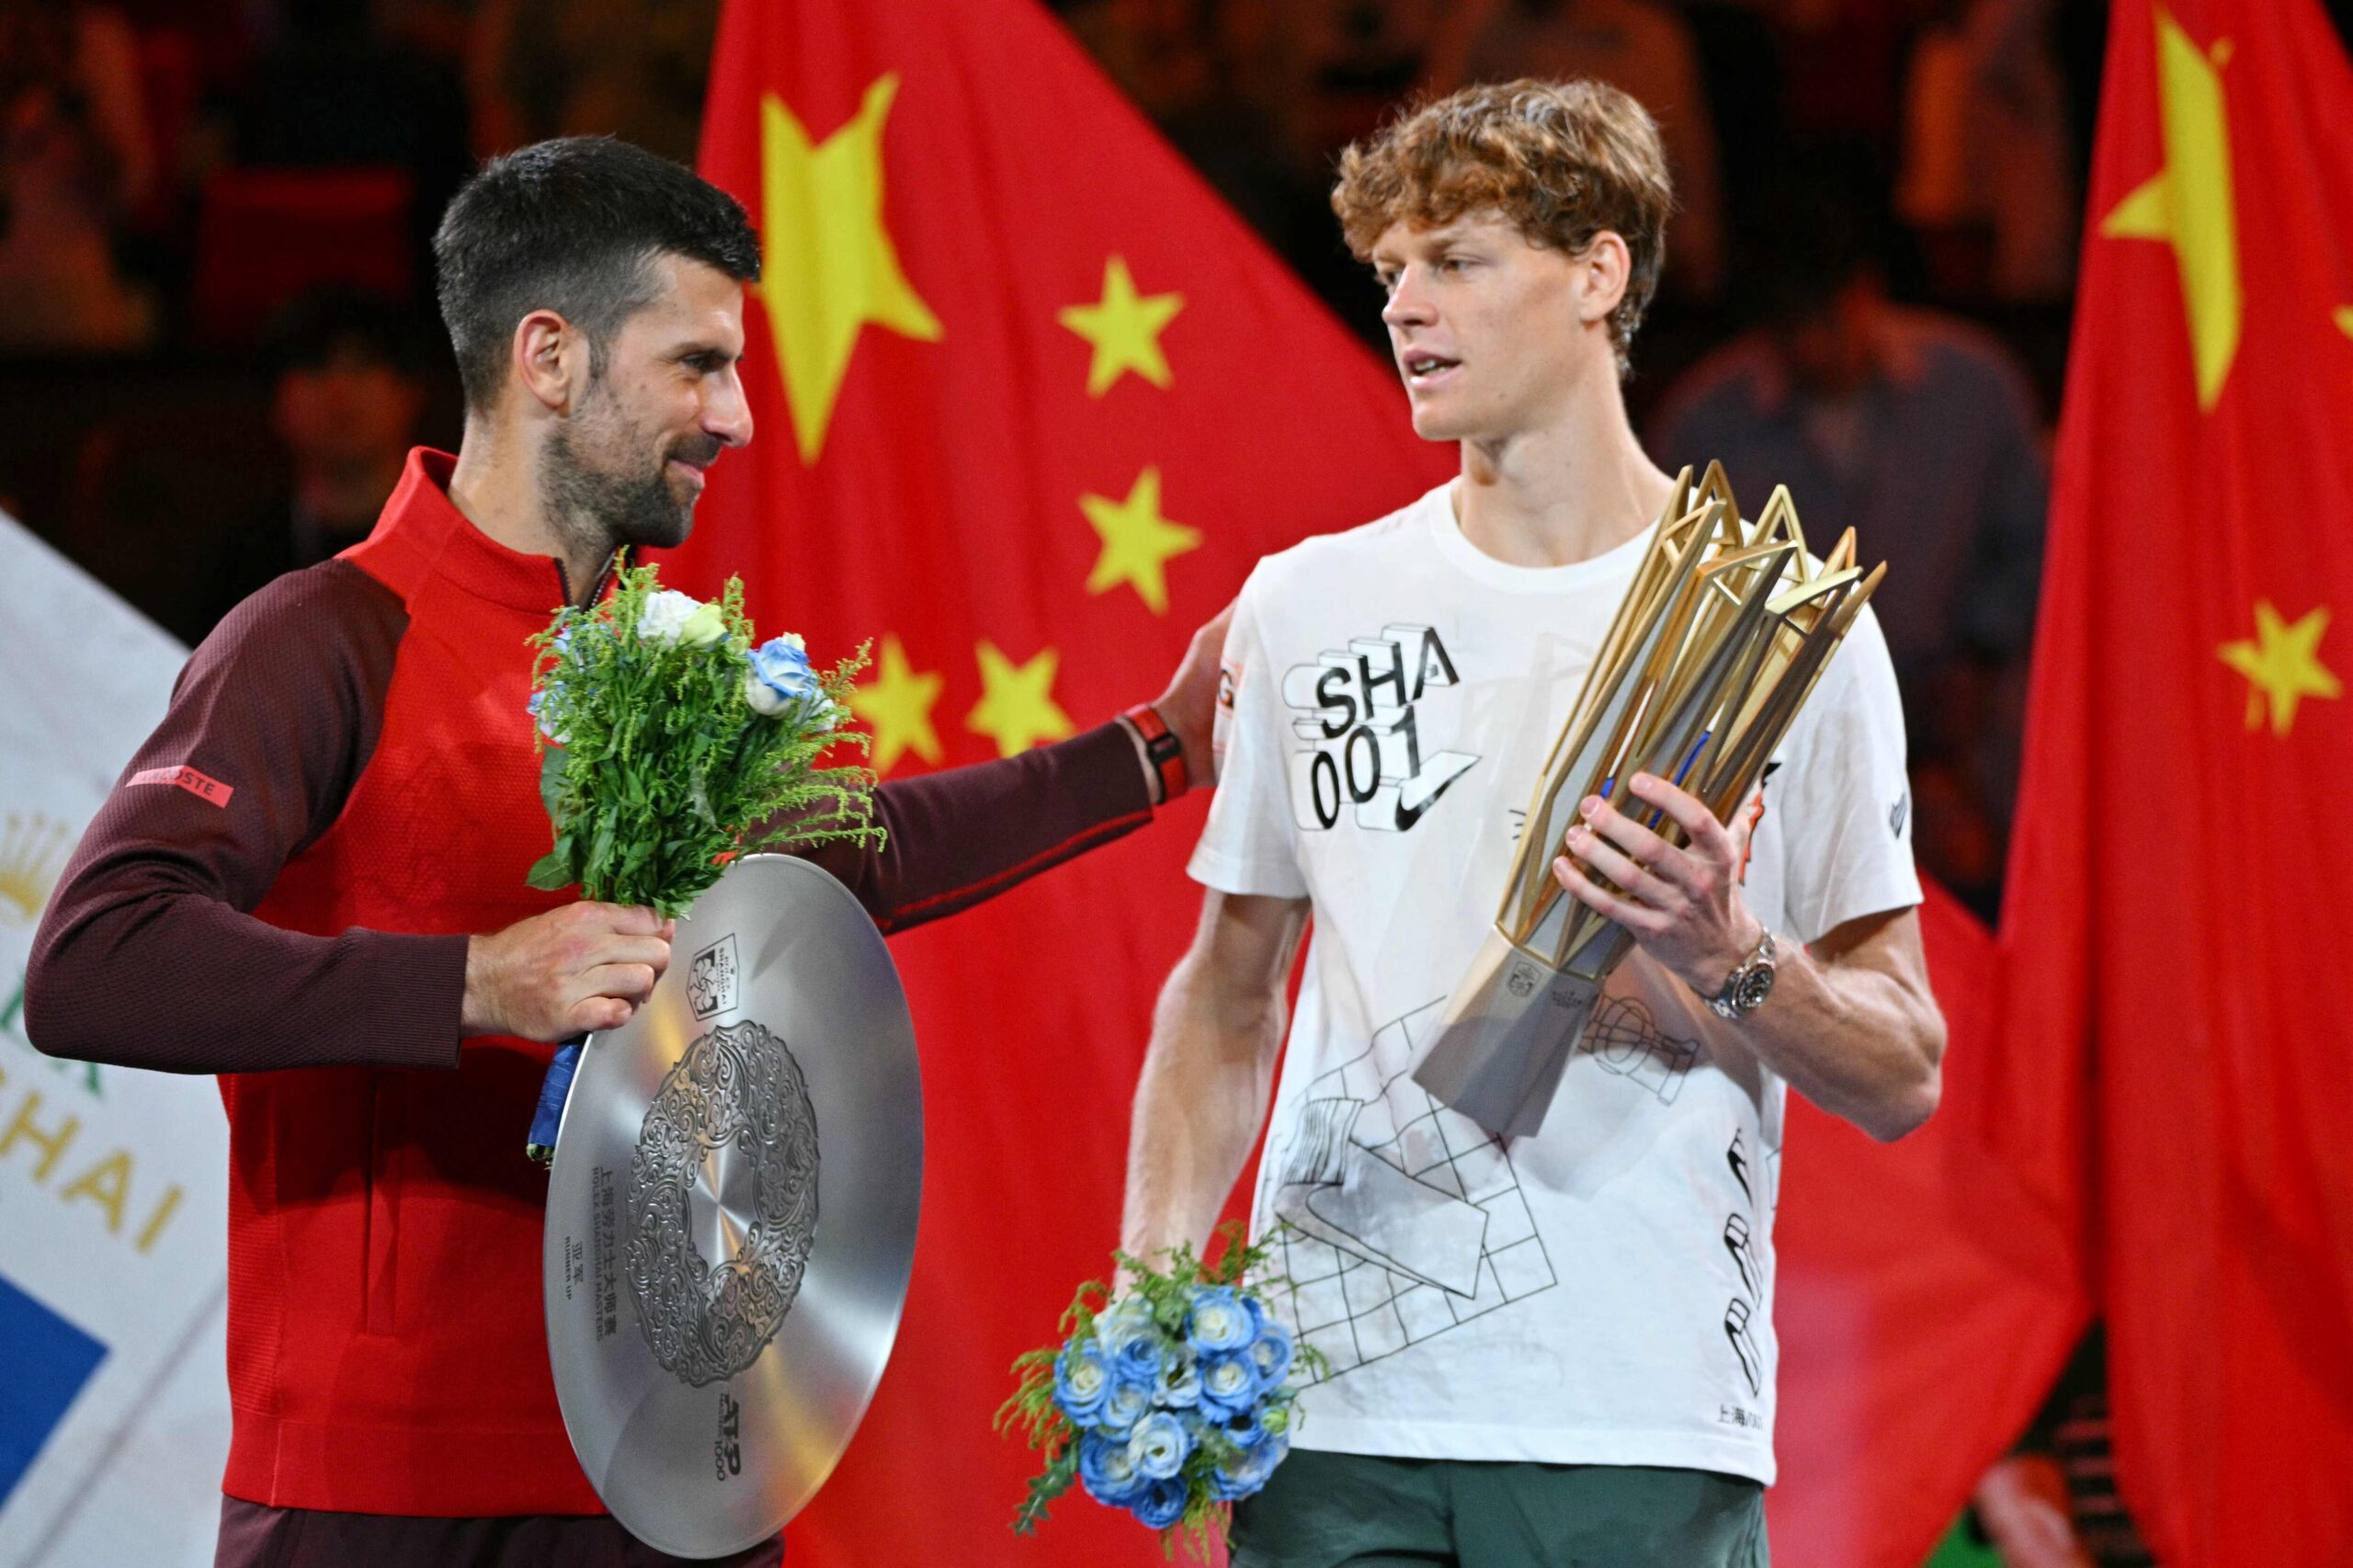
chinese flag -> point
(2180, 945)
(1031, 403)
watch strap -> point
(1162, 749)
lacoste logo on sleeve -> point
(202, 786)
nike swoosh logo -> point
(1417, 795)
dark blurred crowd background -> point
(217, 345)
(216, 340)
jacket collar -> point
(421, 533)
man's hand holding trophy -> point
(1727, 627)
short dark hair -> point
(574, 226)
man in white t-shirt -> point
(1557, 1350)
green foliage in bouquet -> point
(1169, 1401)
(671, 744)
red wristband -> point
(1162, 749)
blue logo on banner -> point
(44, 1361)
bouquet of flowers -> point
(671, 744)
(1171, 1401)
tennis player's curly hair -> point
(1563, 161)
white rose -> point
(673, 617)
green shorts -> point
(1323, 1510)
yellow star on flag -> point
(2344, 319)
(1125, 329)
(829, 264)
(1137, 542)
(897, 704)
(2281, 664)
(1017, 707)
(2188, 204)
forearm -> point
(130, 973)
(1863, 1043)
(1850, 1022)
(1199, 1106)
(956, 838)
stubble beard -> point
(595, 510)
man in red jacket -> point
(310, 880)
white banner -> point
(114, 1404)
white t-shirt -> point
(1599, 1294)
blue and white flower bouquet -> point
(1170, 1401)
(674, 743)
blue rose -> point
(1108, 1469)
(1159, 1504)
(779, 683)
(1270, 1354)
(1245, 1428)
(1241, 1474)
(1179, 1387)
(1126, 1404)
(1229, 1384)
(1138, 1360)
(1219, 1321)
(1082, 1381)
(1124, 1320)
(1159, 1445)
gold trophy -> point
(1719, 641)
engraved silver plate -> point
(732, 1214)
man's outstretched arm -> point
(956, 838)
(1203, 1093)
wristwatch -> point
(1749, 983)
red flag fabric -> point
(1927, 1298)
(1030, 402)
(2179, 922)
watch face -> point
(1754, 987)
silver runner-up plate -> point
(732, 1213)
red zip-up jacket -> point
(279, 891)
